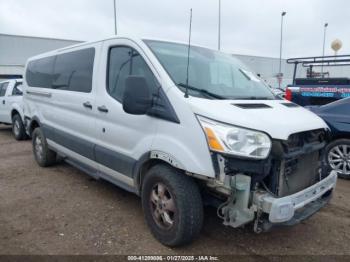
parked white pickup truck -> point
(11, 110)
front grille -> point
(292, 166)
(301, 140)
(301, 165)
(298, 173)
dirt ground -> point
(60, 210)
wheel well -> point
(144, 169)
(33, 124)
(13, 113)
(341, 136)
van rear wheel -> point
(43, 155)
(172, 206)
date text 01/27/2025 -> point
(173, 258)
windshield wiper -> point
(202, 91)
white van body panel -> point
(144, 134)
(64, 111)
(185, 142)
(129, 135)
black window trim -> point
(142, 56)
(35, 60)
(93, 67)
(167, 113)
(54, 65)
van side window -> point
(124, 62)
(39, 72)
(3, 88)
(73, 71)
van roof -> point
(136, 39)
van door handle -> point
(103, 109)
(87, 105)
(3, 102)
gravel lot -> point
(60, 210)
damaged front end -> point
(283, 189)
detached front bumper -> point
(298, 206)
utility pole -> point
(280, 65)
(115, 17)
(219, 29)
(324, 44)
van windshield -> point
(212, 74)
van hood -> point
(278, 118)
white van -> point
(11, 109)
(181, 133)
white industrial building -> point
(15, 50)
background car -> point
(11, 108)
(337, 116)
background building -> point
(15, 50)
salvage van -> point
(181, 131)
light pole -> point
(324, 44)
(115, 17)
(219, 29)
(280, 65)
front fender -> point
(191, 155)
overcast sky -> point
(248, 26)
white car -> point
(179, 131)
(11, 108)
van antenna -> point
(188, 54)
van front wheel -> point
(43, 155)
(172, 205)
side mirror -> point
(137, 98)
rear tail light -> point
(289, 94)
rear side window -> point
(39, 72)
(73, 71)
(123, 62)
(70, 71)
(3, 88)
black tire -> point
(43, 155)
(187, 202)
(18, 128)
(344, 157)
